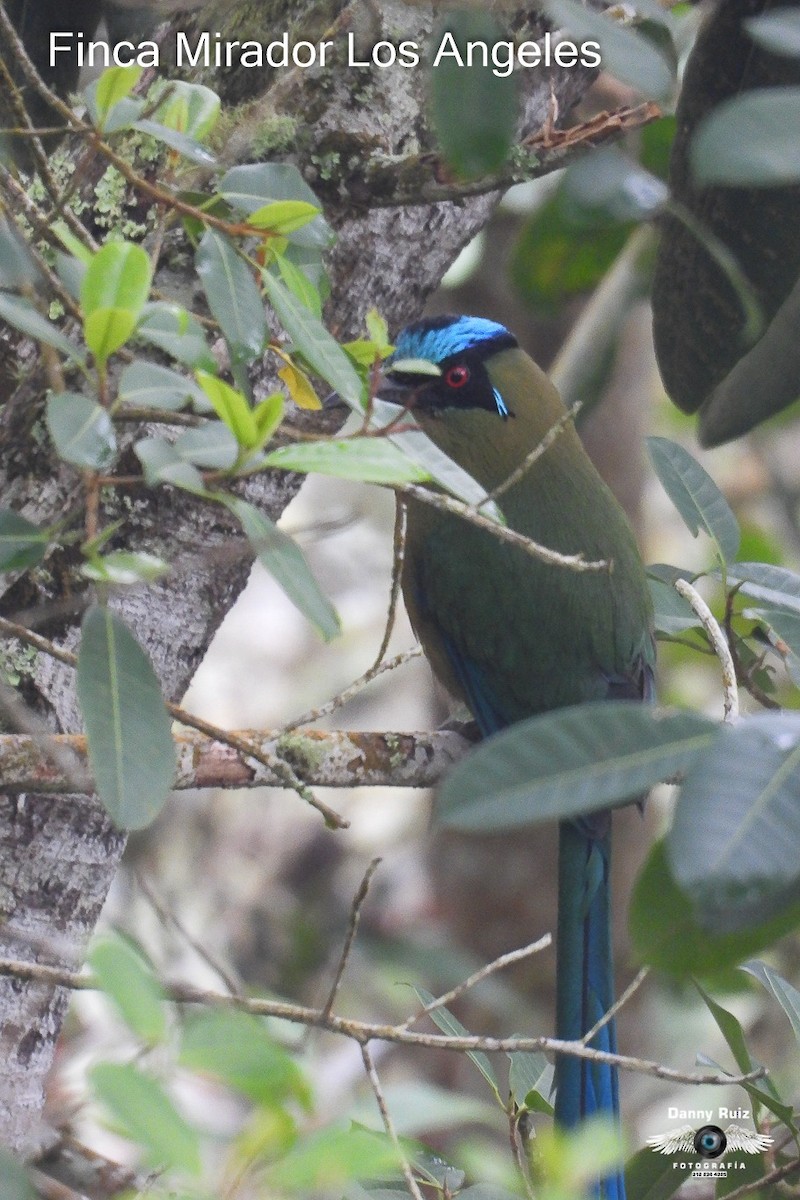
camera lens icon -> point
(710, 1141)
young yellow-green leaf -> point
(118, 277)
(298, 282)
(238, 1048)
(127, 724)
(370, 460)
(22, 315)
(695, 495)
(268, 415)
(146, 1115)
(22, 544)
(299, 387)
(128, 981)
(328, 1159)
(114, 85)
(249, 187)
(283, 216)
(107, 330)
(82, 431)
(232, 294)
(231, 407)
(286, 563)
(378, 331)
(311, 339)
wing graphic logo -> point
(710, 1141)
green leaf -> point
(671, 612)
(127, 724)
(650, 1176)
(443, 1019)
(731, 1030)
(17, 267)
(570, 762)
(695, 495)
(22, 315)
(189, 108)
(329, 1158)
(474, 107)
(149, 385)
(162, 463)
(185, 145)
(115, 84)
(371, 460)
(82, 431)
(734, 847)
(529, 1080)
(147, 1116)
(774, 586)
(784, 992)
(312, 340)
(777, 31)
(283, 216)
(286, 563)
(299, 284)
(22, 544)
(125, 567)
(128, 981)
(238, 1049)
(748, 140)
(212, 447)
(268, 414)
(231, 407)
(177, 333)
(625, 54)
(232, 294)
(248, 188)
(114, 290)
(108, 329)
(15, 1182)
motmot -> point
(513, 636)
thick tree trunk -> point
(59, 855)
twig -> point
(574, 562)
(388, 1123)
(719, 644)
(398, 556)
(630, 990)
(352, 929)
(324, 710)
(535, 454)
(747, 1189)
(498, 964)
(363, 1032)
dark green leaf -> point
(22, 315)
(187, 146)
(731, 1030)
(784, 992)
(22, 544)
(570, 762)
(695, 495)
(232, 294)
(286, 563)
(671, 613)
(749, 140)
(162, 463)
(237, 1048)
(474, 105)
(625, 53)
(17, 268)
(777, 31)
(734, 847)
(82, 431)
(443, 1019)
(149, 385)
(650, 1176)
(249, 187)
(147, 1116)
(129, 983)
(529, 1080)
(127, 724)
(373, 460)
(212, 447)
(773, 585)
(177, 333)
(312, 340)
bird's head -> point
(440, 363)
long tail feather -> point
(585, 987)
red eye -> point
(456, 377)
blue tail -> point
(585, 988)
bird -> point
(513, 636)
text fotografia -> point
(212, 50)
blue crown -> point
(438, 338)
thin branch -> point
(719, 643)
(324, 710)
(622, 1000)
(388, 1123)
(398, 557)
(498, 964)
(352, 929)
(535, 454)
(747, 1189)
(364, 1032)
(573, 562)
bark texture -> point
(59, 858)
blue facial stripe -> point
(500, 402)
(437, 344)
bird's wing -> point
(673, 1143)
(748, 1140)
